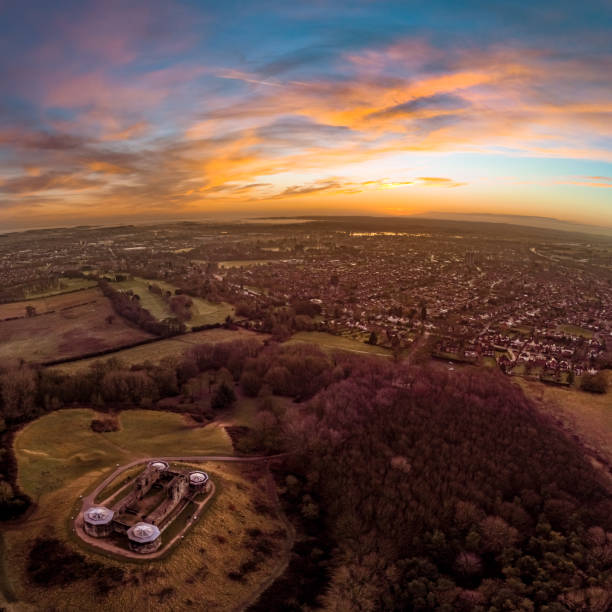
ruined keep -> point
(155, 499)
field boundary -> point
(117, 349)
(45, 297)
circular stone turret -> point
(98, 521)
(144, 537)
(198, 479)
(159, 465)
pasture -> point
(60, 458)
(77, 326)
(154, 352)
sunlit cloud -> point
(133, 110)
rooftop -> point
(143, 533)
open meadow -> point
(154, 352)
(77, 326)
(235, 545)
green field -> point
(244, 263)
(60, 447)
(574, 330)
(60, 459)
(339, 343)
(169, 347)
(154, 303)
(203, 311)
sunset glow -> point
(149, 110)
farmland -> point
(154, 352)
(56, 469)
(65, 326)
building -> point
(144, 538)
(156, 498)
(98, 521)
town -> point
(534, 303)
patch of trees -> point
(455, 494)
(293, 370)
(106, 424)
(127, 305)
(180, 305)
(13, 503)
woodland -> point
(410, 487)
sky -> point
(127, 110)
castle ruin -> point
(157, 496)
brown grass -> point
(196, 573)
(76, 327)
(45, 304)
(587, 415)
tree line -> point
(127, 305)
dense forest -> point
(412, 488)
(454, 494)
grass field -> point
(573, 330)
(244, 263)
(61, 446)
(70, 331)
(169, 347)
(45, 304)
(339, 343)
(60, 458)
(586, 414)
(203, 311)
